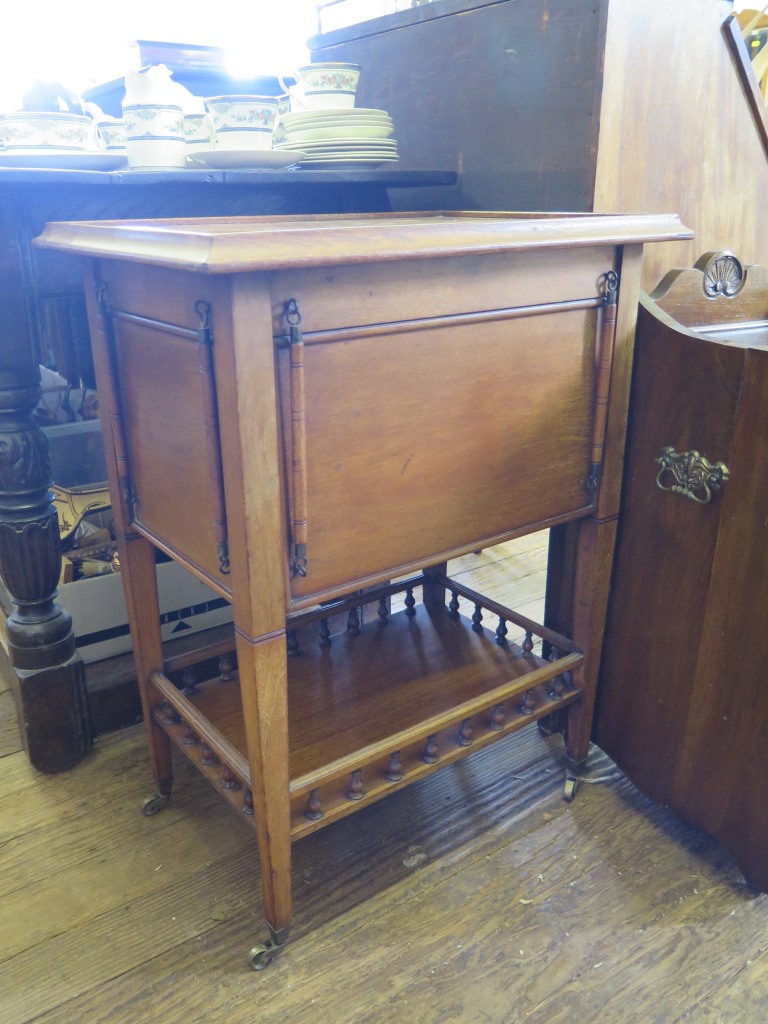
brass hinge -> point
(299, 526)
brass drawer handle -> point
(694, 476)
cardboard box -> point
(77, 453)
(100, 619)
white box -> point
(100, 619)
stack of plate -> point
(337, 138)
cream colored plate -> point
(340, 130)
(340, 113)
(61, 159)
(227, 159)
(329, 145)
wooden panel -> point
(504, 93)
(721, 781)
(685, 395)
(389, 420)
(164, 420)
(410, 291)
(682, 138)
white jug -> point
(153, 111)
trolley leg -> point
(263, 673)
(137, 566)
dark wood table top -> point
(270, 177)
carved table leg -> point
(49, 678)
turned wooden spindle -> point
(207, 757)
(292, 642)
(228, 780)
(248, 803)
(383, 611)
(314, 809)
(325, 633)
(410, 602)
(453, 605)
(528, 703)
(169, 715)
(189, 736)
(528, 642)
(353, 622)
(431, 750)
(188, 682)
(501, 633)
(557, 688)
(355, 789)
(477, 619)
(466, 733)
(394, 772)
(498, 718)
(226, 667)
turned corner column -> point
(49, 679)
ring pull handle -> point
(690, 474)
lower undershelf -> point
(375, 710)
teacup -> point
(44, 131)
(154, 135)
(111, 135)
(324, 86)
(243, 122)
(198, 132)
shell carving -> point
(723, 275)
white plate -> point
(341, 161)
(340, 130)
(343, 113)
(61, 159)
(384, 145)
(223, 159)
(349, 151)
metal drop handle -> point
(690, 474)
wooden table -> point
(44, 322)
(302, 410)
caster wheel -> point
(570, 787)
(155, 803)
(262, 956)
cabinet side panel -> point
(722, 781)
(164, 413)
(685, 393)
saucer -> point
(223, 159)
(61, 159)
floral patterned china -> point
(243, 122)
(154, 135)
(31, 130)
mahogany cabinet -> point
(303, 410)
(682, 701)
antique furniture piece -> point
(44, 322)
(683, 706)
(351, 401)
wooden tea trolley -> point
(302, 411)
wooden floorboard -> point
(477, 895)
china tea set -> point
(313, 122)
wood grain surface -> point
(608, 908)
